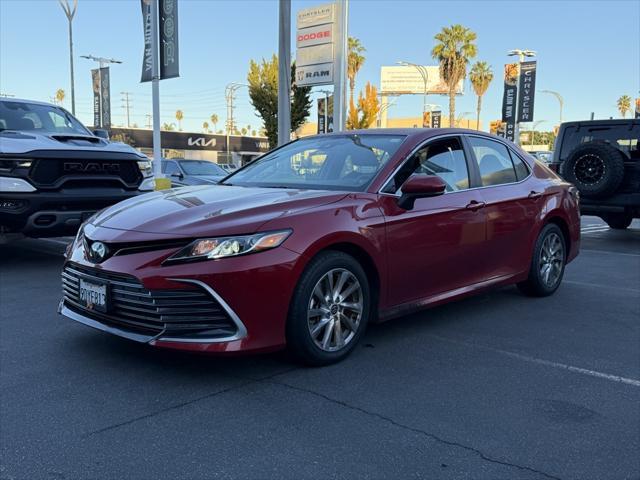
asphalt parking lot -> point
(499, 386)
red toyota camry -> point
(308, 244)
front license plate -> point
(94, 295)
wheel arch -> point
(563, 225)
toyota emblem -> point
(98, 251)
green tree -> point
(454, 48)
(624, 105)
(480, 76)
(214, 120)
(355, 60)
(367, 110)
(179, 117)
(263, 92)
(169, 127)
(205, 127)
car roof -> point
(607, 122)
(409, 132)
(36, 102)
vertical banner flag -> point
(321, 109)
(509, 99)
(168, 40)
(147, 61)
(95, 82)
(168, 21)
(436, 118)
(325, 122)
(426, 119)
(527, 91)
(637, 107)
(105, 97)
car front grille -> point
(189, 313)
(79, 173)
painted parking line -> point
(597, 285)
(607, 252)
(547, 363)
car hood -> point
(203, 211)
(21, 142)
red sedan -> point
(308, 244)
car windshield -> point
(335, 162)
(201, 167)
(16, 115)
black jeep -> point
(602, 159)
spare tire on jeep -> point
(597, 169)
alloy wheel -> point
(589, 169)
(335, 310)
(551, 259)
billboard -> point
(409, 80)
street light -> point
(521, 56)
(229, 95)
(70, 13)
(425, 78)
(461, 117)
(558, 97)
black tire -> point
(299, 338)
(536, 285)
(596, 169)
(618, 221)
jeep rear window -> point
(621, 137)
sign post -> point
(284, 72)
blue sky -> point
(589, 51)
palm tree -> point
(168, 126)
(624, 105)
(243, 131)
(354, 63)
(205, 127)
(455, 47)
(214, 120)
(480, 76)
(60, 94)
(179, 117)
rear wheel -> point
(618, 221)
(330, 309)
(547, 264)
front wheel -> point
(330, 309)
(547, 264)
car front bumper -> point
(254, 291)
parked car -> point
(192, 172)
(542, 155)
(55, 173)
(602, 159)
(392, 221)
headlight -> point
(17, 185)
(145, 167)
(221, 247)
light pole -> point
(383, 108)
(103, 62)
(461, 117)
(70, 13)
(422, 70)
(521, 56)
(558, 97)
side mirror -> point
(101, 133)
(420, 186)
(178, 175)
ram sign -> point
(408, 80)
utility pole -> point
(70, 13)
(340, 66)
(284, 72)
(521, 56)
(148, 115)
(229, 95)
(126, 105)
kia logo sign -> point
(201, 142)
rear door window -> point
(494, 162)
(623, 137)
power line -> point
(126, 105)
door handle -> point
(535, 195)
(475, 205)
